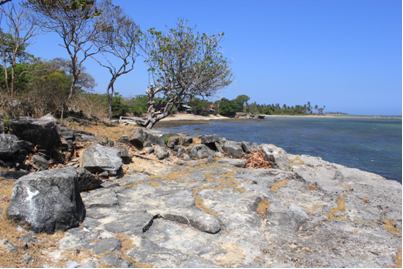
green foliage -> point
(199, 106)
(119, 107)
(166, 140)
(227, 107)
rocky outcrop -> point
(47, 201)
(276, 156)
(233, 148)
(41, 132)
(100, 158)
(11, 145)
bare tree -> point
(118, 37)
(16, 39)
(182, 64)
(75, 22)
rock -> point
(29, 238)
(48, 200)
(124, 139)
(276, 156)
(172, 141)
(27, 259)
(136, 223)
(287, 215)
(124, 154)
(246, 147)
(185, 140)
(255, 147)
(71, 264)
(147, 144)
(180, 152)
(200, 151)
(125, 264)
(210, 159)
(137, 138)
(41, 132)
(85, 138)
(87, 181)
(233, 162)
(13, 174)
(157, 137)
(39, 163)
(103, 245)
(148, 150)
(161, 152)
(207, 139)
(89, 264)
(10, 145)
(100, 158)
(233, 149)
(187, 158)
(111, 259)
(4, 244)
(219, 147)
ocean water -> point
(373, 145)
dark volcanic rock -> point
(48, 200)
(41, 132)
(10, 145)
(13, 174)
(87, 181)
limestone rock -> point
(246, 147)
(41, 132)
(207, 139)
(137, 138)
(48, 200)
(200, 151)
(172, 141)
(233, 162)
(39, 162)
(10, 145)
(13, 174)
(87, 181)
(233, 148)
(276, 156)
(100, 158)
(161, 152)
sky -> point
(345, 55)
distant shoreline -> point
(337, 116)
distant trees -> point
(14, 42)
(182, 64)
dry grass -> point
(391, 227)
(154, 184)
(398, 259)
(277, 185)
(111, 132)
(262, 207)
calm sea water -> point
(373, 145)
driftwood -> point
(144, 157)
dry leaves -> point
(257, 160)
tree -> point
(118, 36)
(316, 107)
(14, 43)
(227, 107)
(75, 21)
(241, 100)
(182, 64)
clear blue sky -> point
(345, 54)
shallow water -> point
(373, 145)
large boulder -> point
(233, 149)
(276, 156)
(207, 139)
(87, 181)
(200, 151)
(41, 132)
(161, 152)
(137, 138)
(10, 145)
(157, 137)
(47, 201)
(100, 158)
(185, 139)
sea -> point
(370, 144)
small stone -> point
(210, 159)
(20, 229)
(39, 162)
(161, 152)
(71, 264)
(27, 259)
(125, 264)
(104, 174)
(111, 259)
(186, 158)
(5, 244)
